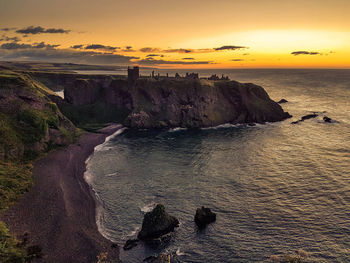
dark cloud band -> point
(190, 50)
(27, 53)
(40, 30)
(230, 48)
(100, 47)
(16, 46)
(151, 61)
(297, 53)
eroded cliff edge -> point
(168, 102)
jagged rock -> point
(169, 103)
(157, 223)
(139, 120)
(306, 117)
(309, 116)
(327, 119)
(131, 243)
(204, 216)
(28, 104)
(282, 101)
(82, 92)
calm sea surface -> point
(276, 188)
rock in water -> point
(306, 117)
(131, 243)
(204, 216)
(309, 116)
(157, 223)
(282, 101)
(327, 119)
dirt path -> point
(59, 211)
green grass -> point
(10, 252)
(23, 126)
(15, 179)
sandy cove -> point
(59, 211)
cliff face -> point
(169, 103)
(30, 122)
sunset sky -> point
(182, 33)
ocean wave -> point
(102, 146)
(133, 232)
(111, 174)
(177, 129)
(89, 177)
(148, 208)
(224, 126)
(179, 252)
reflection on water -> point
(275, 188)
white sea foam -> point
(230, 125)
(223, 126)
(100, 219)
(133, 232)
(111, 174)
(89, 176)
(148, 208)
(179, 252)
(177, 129)
(102, 146)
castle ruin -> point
(133, 74)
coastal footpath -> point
(58, 213)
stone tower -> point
(133, 74)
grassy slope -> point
(20, 129)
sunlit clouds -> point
(196, 34)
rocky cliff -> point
(166, 103)
(30, 122)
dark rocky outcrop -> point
(309, 116)
(327, 119)
(131, 243)
(204, 216)
(157, 223)
(282, 101)
(82, 92)
(168, 103)
(57, 81)
(306, 117)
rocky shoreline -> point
(58, 213)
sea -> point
(276, 188)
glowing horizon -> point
(181, 34)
